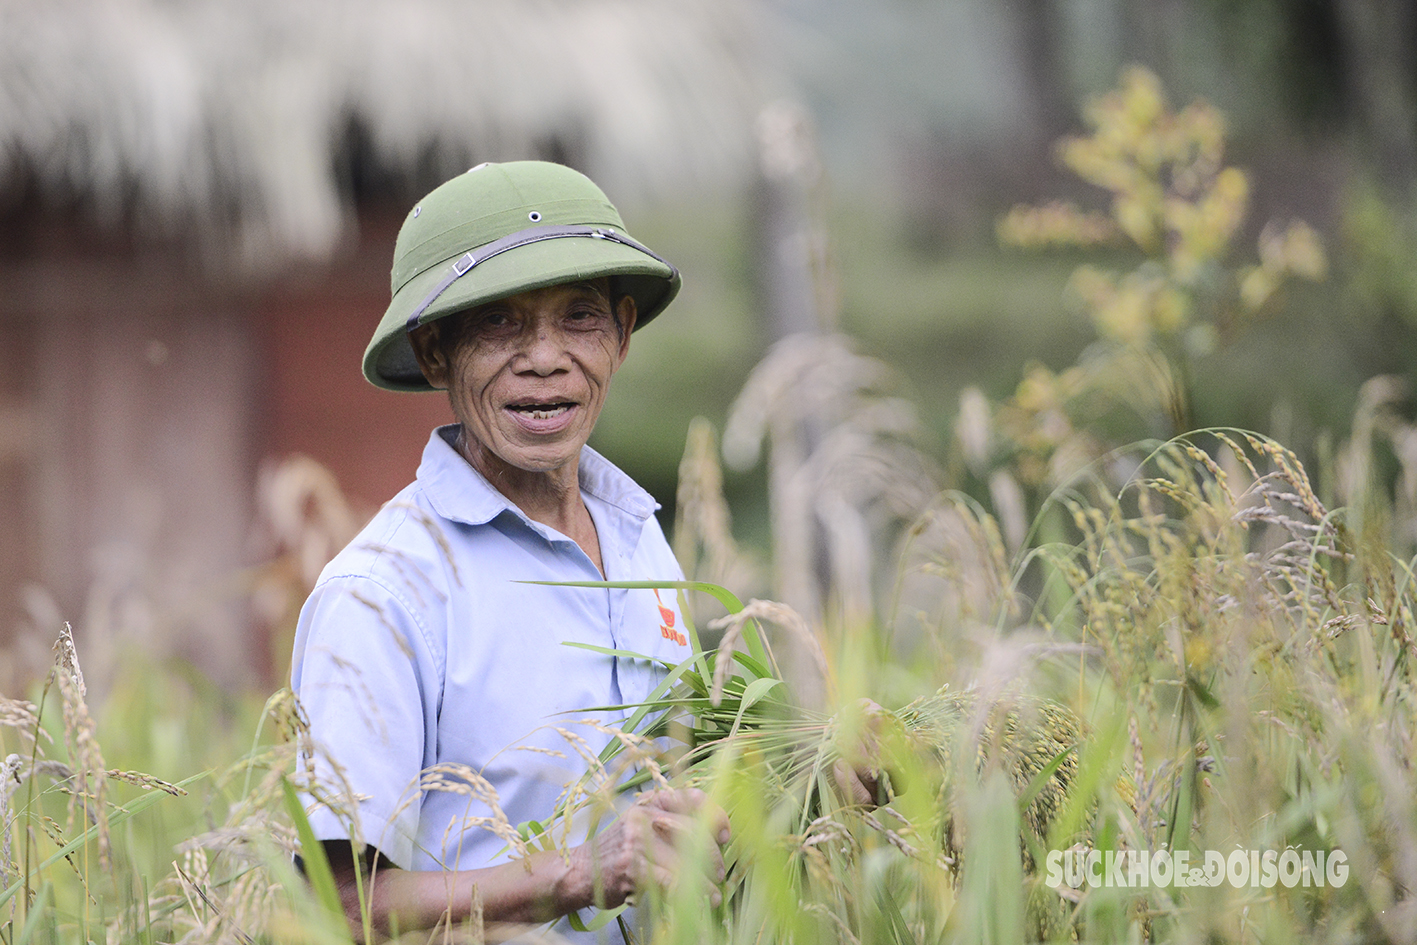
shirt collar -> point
(460, 493)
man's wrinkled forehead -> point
(599, 287)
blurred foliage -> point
(1175, 201)
(1193, 314)
(1175, 215)
(1380, 236)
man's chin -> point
(546, 458)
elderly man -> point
(423, 654)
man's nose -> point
(544, 350)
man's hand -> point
(649, 844)
(858, 773)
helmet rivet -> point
(417, 211)
(534, 216)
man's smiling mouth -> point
(542, 411)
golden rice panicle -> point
(146, 781)
(597, 789)
(9, 778)
(296, 756)
(703, 528)
(23, 717)
(1021, 735)
(291, 723)
(637, 751)
(799, 636)
(460, 779)
(90, 790)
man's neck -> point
(552, 497)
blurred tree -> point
(1037, 27)
(795, 277)
(1348, 66)
(1301, 46)
(1381, 68)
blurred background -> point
(199, 203)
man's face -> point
(527, 375)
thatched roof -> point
(231, 116)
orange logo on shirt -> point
(666, 627)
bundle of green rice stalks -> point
(792, 779)
(1033, 741)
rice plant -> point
(1207, 659)
(1210, 666)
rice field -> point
(1109, 693)
(1200, 658)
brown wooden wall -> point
(138, 399)
(313, 330)
(134, 487)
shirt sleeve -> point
(369, 684)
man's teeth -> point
(544, 411)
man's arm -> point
(645, 846)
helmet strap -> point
(536, 234)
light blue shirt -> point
(419, 647)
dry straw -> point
(232, 119)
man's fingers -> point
(660, 840)
(667, 869)
(718, 822)
(672, 832)
(668, 823)
(696, 802)
(676, 800)
(669, 827)
(857, 786)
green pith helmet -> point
(498, 230)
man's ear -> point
(426, 341)
(627, 311)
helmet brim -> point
(389, 362)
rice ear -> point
(90, 790)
